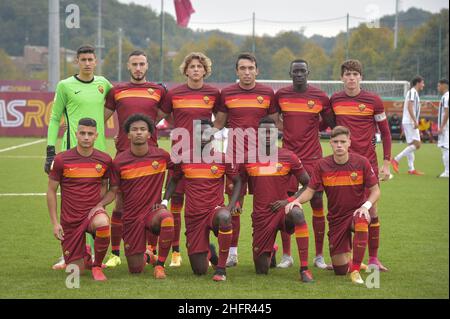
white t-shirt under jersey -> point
(412, 96)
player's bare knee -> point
(199, 270)
(224, 217)
(199, 264)
(261, 269)
(135, 269)
(297, 216)
(100, 220)
(340, 270)
(262, 264)
(417, 144)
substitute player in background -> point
(79, 96)
(443, 130)
(82, 172)
(186, 103)
(136, 96)
(204, 175)
(139, 174)
(362, 112)
(242, 106)
(270, 180)
(302, 106)
(345, 177)
(410, 122)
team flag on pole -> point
(183, 9)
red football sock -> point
(224, 238)
(359, 242)
(374, 237)
(286, 241)
(166, 235)
(302, 238)
(152, 241)
(318, 222)
(116, 231)
(176, 205)
(101, 244)
(236, 222)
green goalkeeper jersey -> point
(76, 99)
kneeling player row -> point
(139, 172)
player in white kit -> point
(410, 123)
(443, 130)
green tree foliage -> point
(420, 54)
(223, 56)
(280, 64)
(8, 70)
(318, 61)
(25, 22)
(110, 65)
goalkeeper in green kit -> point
(79, 96)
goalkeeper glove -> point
(50, 157)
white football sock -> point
(445, 160)
(233, 251)
(409, 149)
(411, 158)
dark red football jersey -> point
(301, 118)
(140, 179)
(80, 180)
(204, 184)
(344, 184)
(271, 180)
(187, 105)
(127, 99)
(358, 115)
(245, 108)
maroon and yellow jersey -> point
(127, 99)
(301, 117)
(245, 108)
(270, 180)
(80, 180)
(358, 115)
(204, 184)
(140, 180)
(187, 105)
(344, 184)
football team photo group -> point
(270, 150)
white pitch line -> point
(25, 194)
(21, 145)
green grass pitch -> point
(414, 220)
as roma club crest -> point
(98, 168)
(150, 91)
(354, 176)
(67, 253)
(279, 166)
(100, 89)
(260, 99)
(362, 107)
(155, 164)
(214, 169)
(311, 104)
(206, 99)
